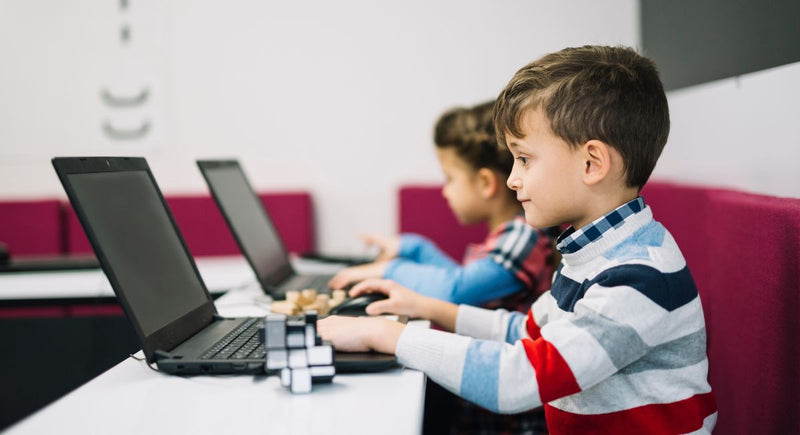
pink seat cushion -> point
(424, 211)
(206, 233)
(31, 227)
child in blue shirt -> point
(515, 262)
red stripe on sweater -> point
(553, 375)
(531, 326)
(668, 418)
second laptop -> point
(254, 231)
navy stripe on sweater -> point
(668, 290)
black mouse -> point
(356, 306)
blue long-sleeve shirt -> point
(512, 259)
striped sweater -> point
(617, 345)
(510, 268)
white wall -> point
(338, 98)
(741, 132)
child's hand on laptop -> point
(361, 334)
(354, 274)
(388, 246)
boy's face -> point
(461, 189)
(547, 174)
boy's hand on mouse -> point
(389, 246)
(361, 334)
(355, 274)
(401, 300)
(405, 301)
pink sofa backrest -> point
(424, 211)
(205, 231)
(684, 211)
(31, 227)
(753, 312)
(742, 250)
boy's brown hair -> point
(611, 94)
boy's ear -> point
(597, 161)
(487, 182)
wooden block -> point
(304, 300)
(284, 307)
(309, 294)
(292, 295)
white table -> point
(130, 398)
(219, 274)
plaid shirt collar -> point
(571, 240)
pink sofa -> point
(50, 227)
(32, 227)
(743, 251)
(206, 232)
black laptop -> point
(141, 251)
(254, 231)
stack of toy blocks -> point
(296, 351)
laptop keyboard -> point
(241, 343)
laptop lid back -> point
(249, 222)
(139, 248)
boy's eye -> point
(523, 160)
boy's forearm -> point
(442, 313)
(384, 339)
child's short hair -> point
(612, 94)
(470, 132)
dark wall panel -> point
(42, 359)
(699, 41)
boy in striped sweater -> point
(618, 344)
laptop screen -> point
(141, 247)
(252, 227)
